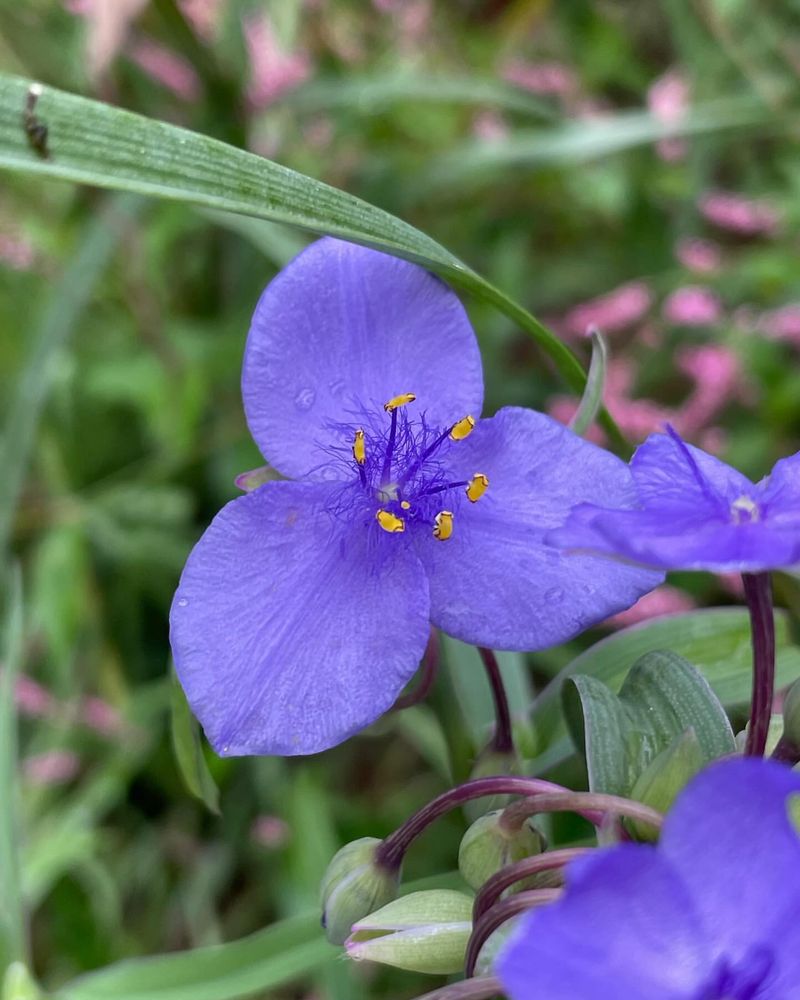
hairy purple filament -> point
(400, 470)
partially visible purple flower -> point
(695, 512)
(305, 607)
(692, 305)
(711, 913)
(737, 214)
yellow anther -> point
(396, 401)
(390, 522)
(359, 448)
(443, 525)
(477, 486)
(463, 428)
(405, 505)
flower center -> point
(744, 510)
(402, 478)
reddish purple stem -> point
(497, 916)
(503, 740)
(494, 887)
(758, 591)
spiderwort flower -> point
(711, 913)
(305, 607)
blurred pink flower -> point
(668, 101)
(15, 253)
(273, 71)
(745, 216)
(107, 25)
(489, 126)
(54, 767)
(102, 717)
(32, 699)
(270, 831)
(664, 600)
(540, 78)
(692, 305)
(612, 312)
(781, 324)
(167, 68)
(716, 372)
(733, 583)
(203, 15)
(700, 256)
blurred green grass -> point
(124, 323)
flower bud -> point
(18, 984)
(353, 886)
(487, 847)
(422, 932)
(666, 774)
(490, 764)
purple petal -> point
(780, 492)
(494, 582)
(290, 632)
(343, 327)
(625, 927)
(672, 474)
(730, 838)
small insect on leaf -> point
(35, 130)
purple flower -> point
(695, 512)
(306, 606)
(711, 913)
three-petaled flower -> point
(306, 606)
(695, 512)
(711, 913)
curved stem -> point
(390, 853)
(505, 910)
(428, 672)
(503, 739)
(469, 989)
(493, 888)
(758, 591)
(580, 802)
(786, 752)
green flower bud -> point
(353, 886)
(666, 774)
(18, 984)
(487, 847)
(422, 932)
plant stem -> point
(758, 591)
(497, 916)
(503, 739)
(786, 752)
(494, 887)
(469, 989)
(390, 853)
(428, 671)
(579, 802)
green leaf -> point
(12, 916)
(661, 699)
(715, 640)
(279, 954)
(188, 748)
(93, 143)
(595, 383)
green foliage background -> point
(119, 392)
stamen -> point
(463, 428)
(443, 525)
(359, 447)
(477, 486)
(390, 522)
(744, 509)
(402, 400)
(405, 505)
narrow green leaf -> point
(715, 640)
(93, 143)
(188, 749)
(12, 914)
(592, 399)
(279, 954)
(63, 309)
(662, 698)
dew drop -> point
(554, 594)
(182, 603)
(304, 399)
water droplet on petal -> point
(182, 603)
(554, 594)
(304, 399)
